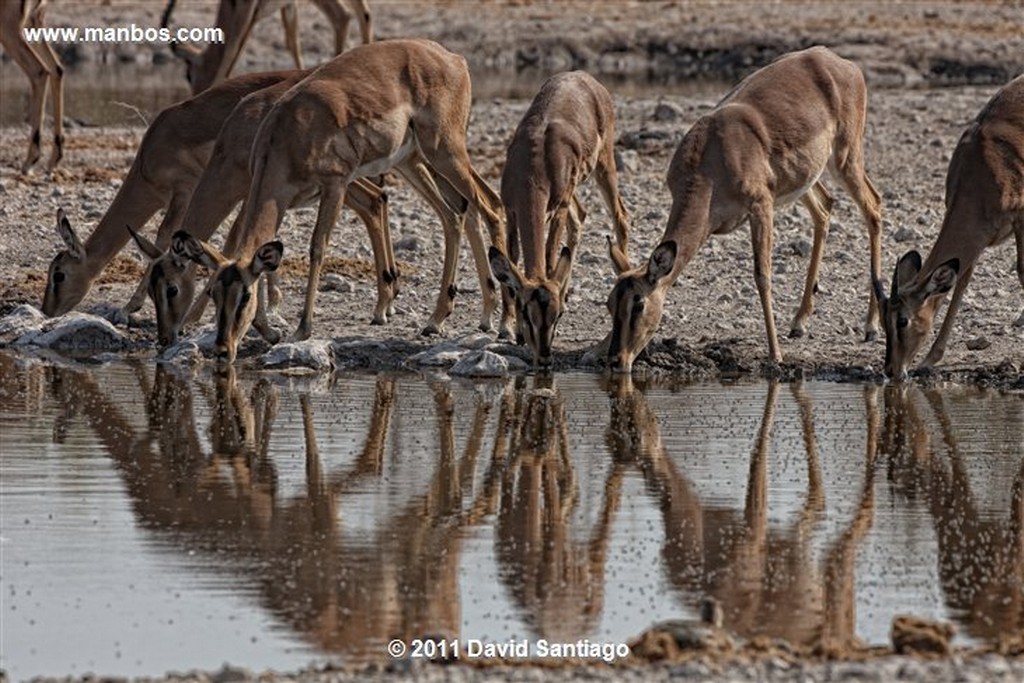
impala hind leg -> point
(339, 17)
(607, 179)
(819, 204)
(855, 180)
(370, 204)
(56, 80)
(290, 21)
(452, 219)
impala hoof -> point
(796, 333)
(430, 330)
(870, 336)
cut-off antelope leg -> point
(44, 71)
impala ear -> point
(197, 250)
(187, 51)
(662, 260)
(504, 270)
(562, 270)
(907, 269)
(145, 246)
(68, 236)
(267, 258)
(619, 258)
(942, 278)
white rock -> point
(74, 331)
(182, 353)
(312, 354)
(440, 355)
(485, 364)
(23, 319)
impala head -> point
(909, 310)
(199, 72)
(170, 283)
(539, 302)
(636, 304)
(232, 288)
(68, 280)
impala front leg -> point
(488, 287)
(938, 348)
(331, 198)
(761, 239)
(170, 223)
(261, 321)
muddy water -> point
(155, 519)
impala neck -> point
(134, 204)
(958, 238)
(689, 223)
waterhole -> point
(157, 519)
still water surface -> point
(132, 94)
(156, 519)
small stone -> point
(801, 247)
(978, 343)
(667, 111)
(408, 243)
(905, 235)
(627, 161)
(332, 282)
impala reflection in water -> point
(159, 519)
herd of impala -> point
(278, 140)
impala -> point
(356, 116)
(167, 166)
(205, 68)
(42, 67)
(767, 143)
(984, 206)
(566, 134)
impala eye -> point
(902, 322)
(172, 291)
(58, 277)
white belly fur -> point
(382, 164)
